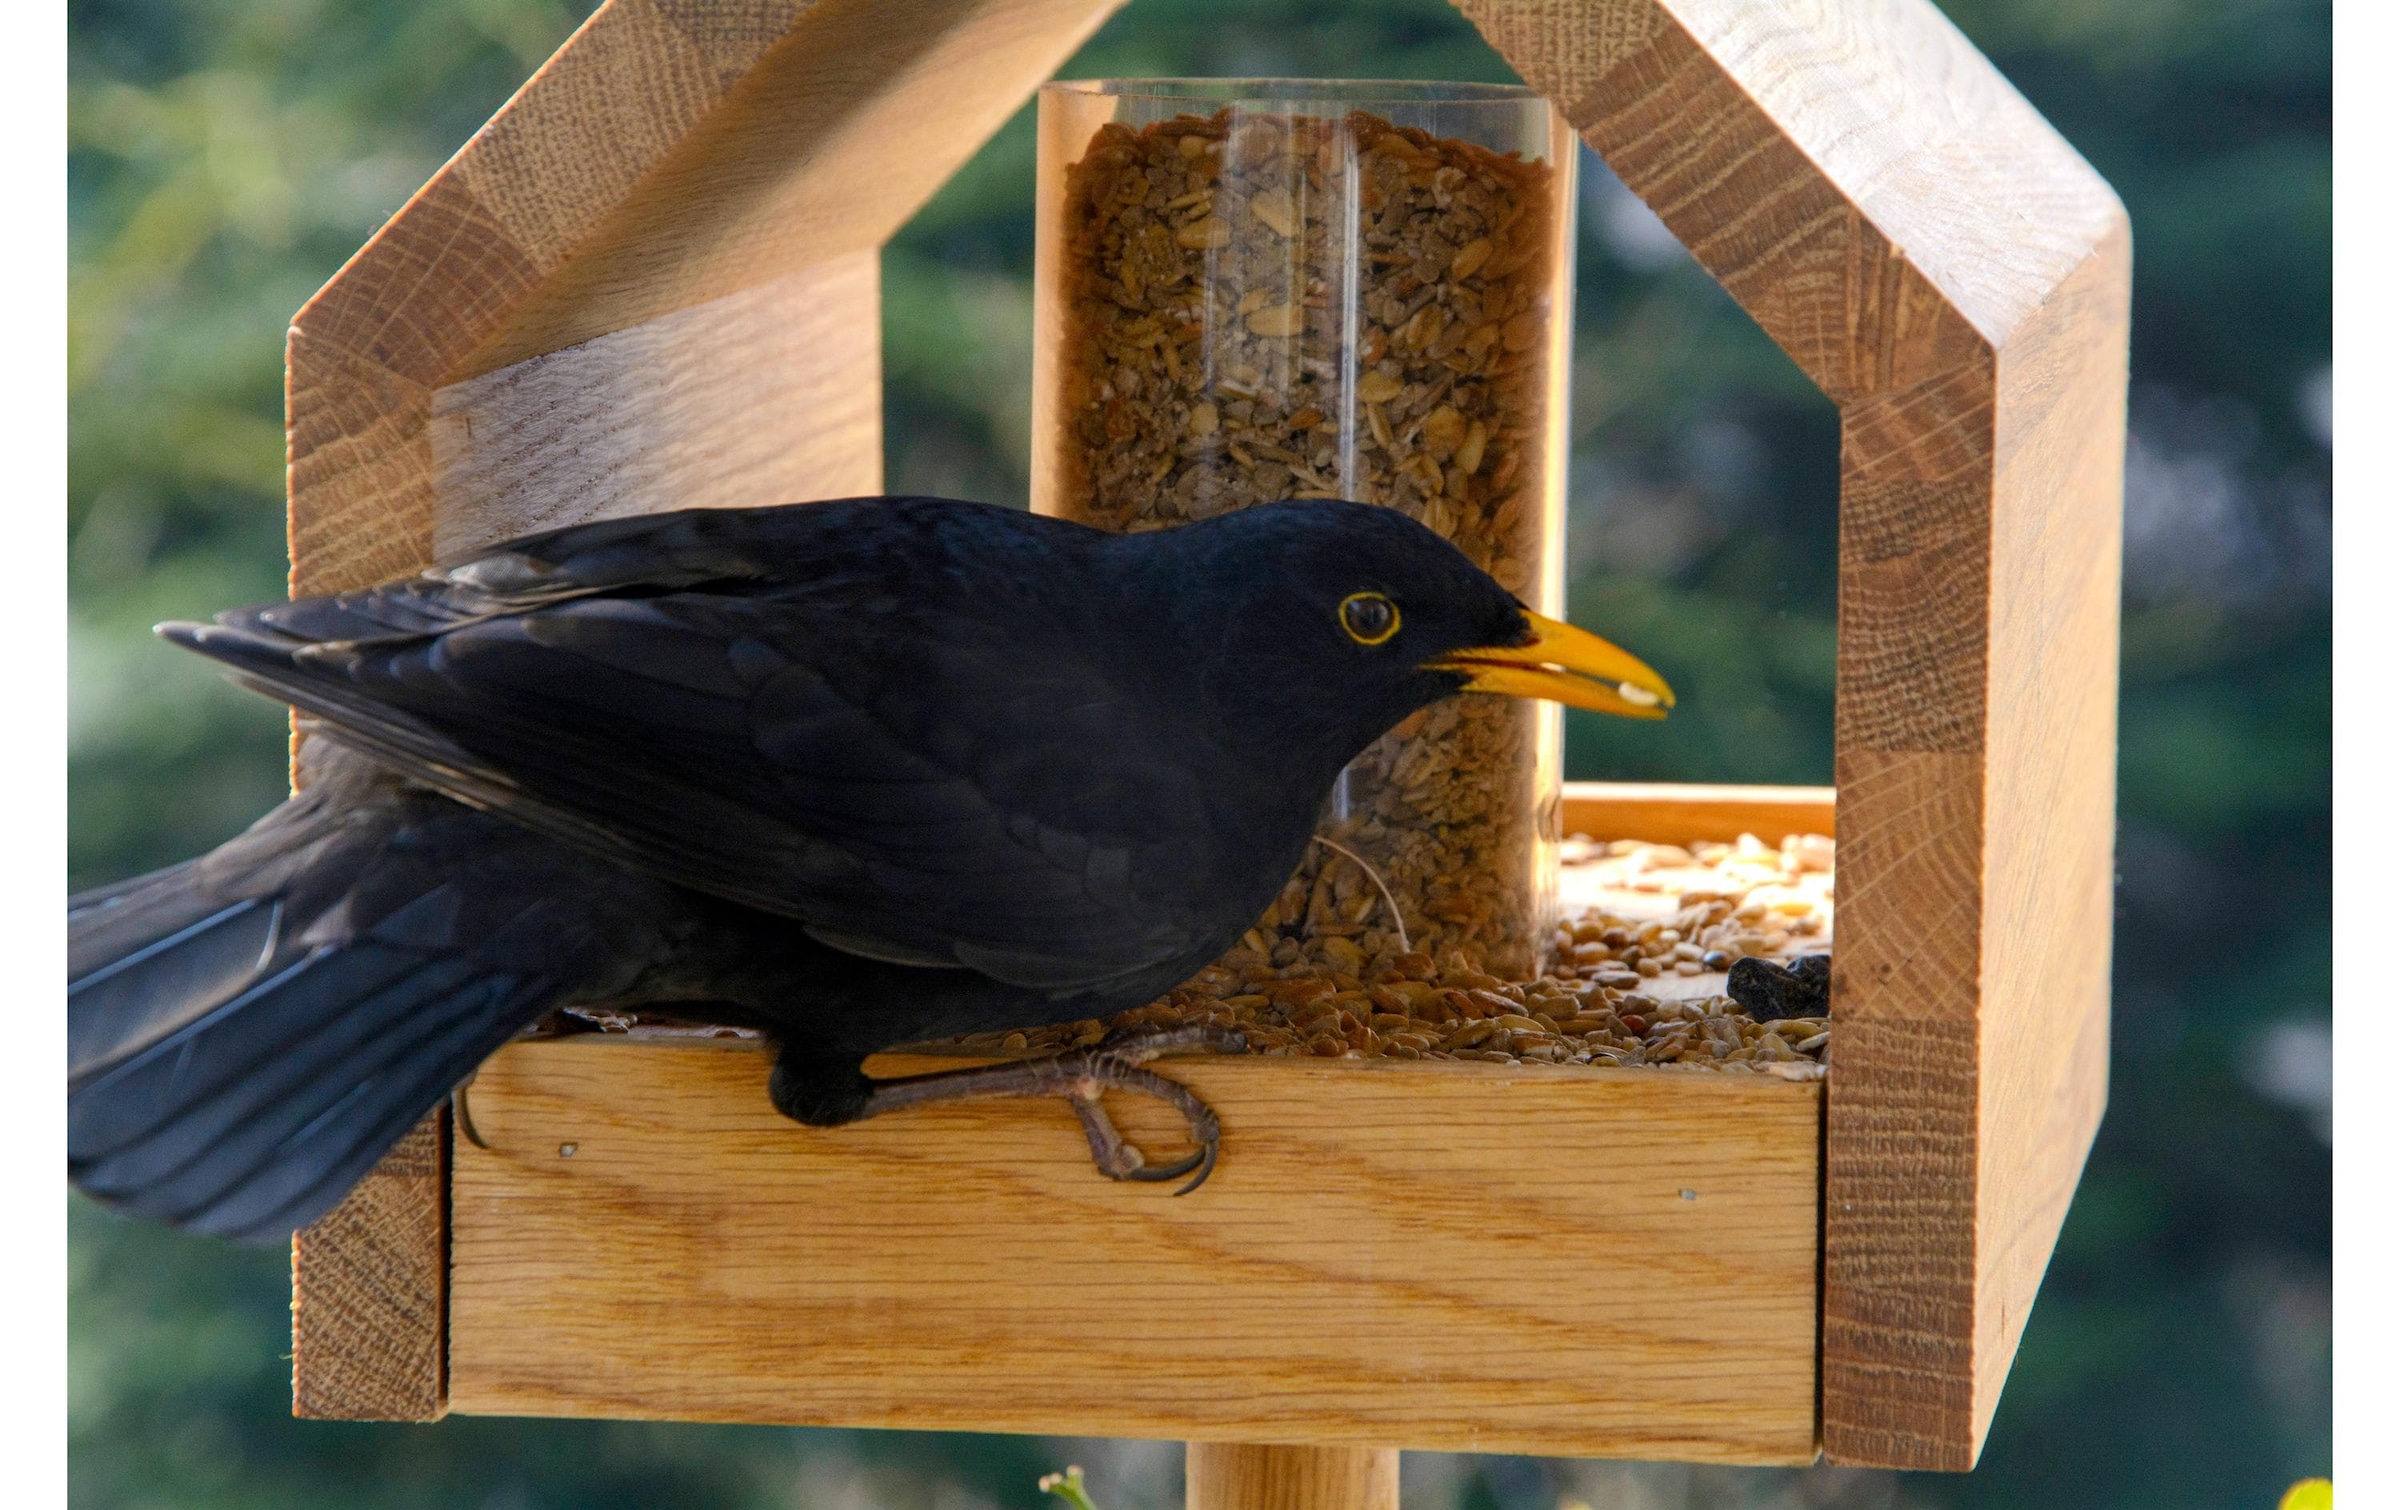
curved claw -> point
(1203, 1159)
(1208, 1166)
(466, 1118)
(1159, 1174)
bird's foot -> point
(1080, 1077)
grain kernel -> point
(1473, 1034)
(1445, 427)
(1274, 211)
(1204, 234)
(1278, 320)
(1470, 449)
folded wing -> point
(829, 712)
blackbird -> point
(858, 774)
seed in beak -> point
(1640, 697)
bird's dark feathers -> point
(862, 772)
(937, 733)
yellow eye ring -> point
(1369, 617)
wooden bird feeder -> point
(651, 281)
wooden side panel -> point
(1901, 1099)
(1910, 723)
(2049, 880)
(358, 446)
(1470, 1257)
(770, 395)
(1938, 260)
(369, 1287)
(1678, 813)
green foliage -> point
(1067, 1486)
(226, 155)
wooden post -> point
(1239, 1476)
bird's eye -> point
(1370, 618)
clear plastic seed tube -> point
(1251, 290)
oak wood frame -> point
(1891, 212)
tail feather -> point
(283, 1152)
(122, 1005)
(266, 1052)
(86, 907)
(248, 1033)
(365, 1124)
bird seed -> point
(1629, 901)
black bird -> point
(858, 773)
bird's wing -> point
(926, 782)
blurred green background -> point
(228, 154)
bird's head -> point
(1363, 616)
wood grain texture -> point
(672, 153)
(823, 143)
(1951, 273)
(2057, 537)
(1666, 812)
(369, 1288)
(770, 395)
(1243, 1476)
(1448, 1256)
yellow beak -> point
(1566, 665)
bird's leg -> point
(1080, 1077)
